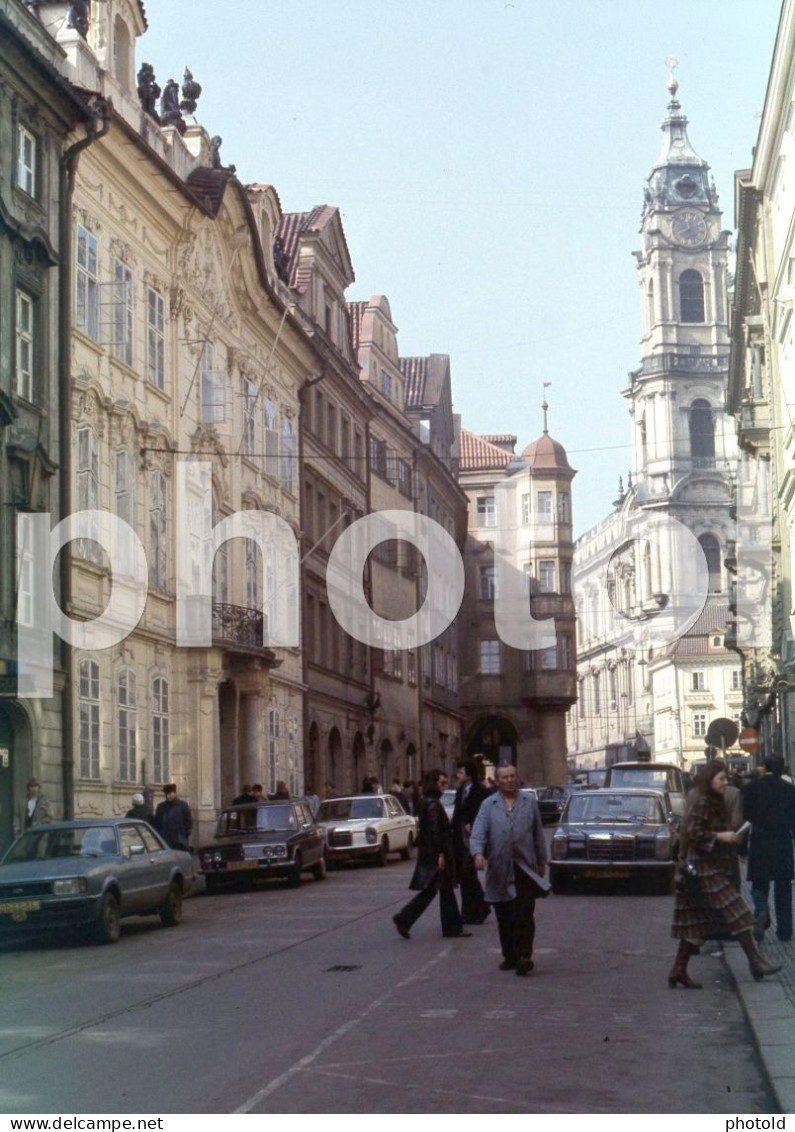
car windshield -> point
(643, 776)
(246, 819)
(46, 844)
(615, 808)
(346, 809)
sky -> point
(489, 160)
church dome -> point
(546, 454)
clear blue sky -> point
(489, 160)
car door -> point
(312, 838)
(161, 864)
(139, 870)
(399, 824)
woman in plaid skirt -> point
(717, 908)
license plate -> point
(18, 910)
(608, 874)
(236, 865)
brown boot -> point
(678, 973)
(756, 964)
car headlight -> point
(662, 846)
(277, 851)
(69, 886)
(560, 844)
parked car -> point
(645, 775)
(552, 800)
(91, 874)
(263, 840)
(367, 825)
(617, 835)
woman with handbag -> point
(707, 903)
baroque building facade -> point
(761, 391)
(516, 689)
(655, 570)
(39, 111)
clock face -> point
(689, 228)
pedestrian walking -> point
(173, 819)
(469, 796)
(712, 906)
(36, 809)
(139, 808)
(509, 835)
(769, 804)
(435, 870)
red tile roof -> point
(209, 185)
(415, 376)
(479, 454)
(696, 641)
(356, 315)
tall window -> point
(26, 161)
(271, 438)
(526, 509)
(386, 384)
(158, 531)
(155, 339)
(546, 576)
(122, 312)
(490, 657)
(213, 407)
(87, 477)
(691, 296)
(126, 726)
(288, 447)
(702, 433)
(24, 606)
(711, 547)
(487, 579)
(273, 747)
(699, 681)
(699, 720)
(23, 382)
(487, 511)
(564, 513)
(249, 398)
(124, 503)
(88, 718)
(544, 499)
(597, 694)
(252, 574)
(86, 284)
(220, 562)
(160, 730)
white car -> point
(366, 825)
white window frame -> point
(158, 530)
(212, 389)
(271, 458)
(24, 358)
(87, 485)
(161, 729)
(489, 658)
(487, 583)
(122, 312)
(526, 508)
(288, 449)
(124, 507)
(547, 580)
(486, 510)
(126, 726)
(698, 682)
(545, 513)
(155, 338)
(88, 719)
(698, 722)
(249, 428)
(27, 150)
(86, 283)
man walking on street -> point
(769, 804)
(173, 819)
(435, 871)
(509, 835)
(469, 796)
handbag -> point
(688, 882)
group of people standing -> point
(502, 828)
(712, 906)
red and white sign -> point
(749, 740)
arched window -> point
(711, 547)
(691, 296)
(702, 434)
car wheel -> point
(383, 853)
(294, 879)
(408, 852)
(171, 908)
(109, 926)
(319, 870)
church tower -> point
(683, 441)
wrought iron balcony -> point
(237, 625)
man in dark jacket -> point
(468, 797)
(173, 819)
(139, 809)
(435, 871)
(769, 804)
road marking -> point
(492, 1015)
(305, 1062)
(405, 1085)
(438, 1014)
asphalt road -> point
(308, 1001)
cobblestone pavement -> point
(770, 1008)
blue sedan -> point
(90, 874)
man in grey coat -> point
(508, 834)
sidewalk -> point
(770, 1008)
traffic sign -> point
(749, 740)
(722, 733)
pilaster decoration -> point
(91, 407)
(148, 91)
(87, 218)
(206, 440)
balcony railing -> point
(237, 625)
(673, 361)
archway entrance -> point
(334, 763)
(495, 739)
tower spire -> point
(545, 407)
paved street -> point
(308, 1002)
